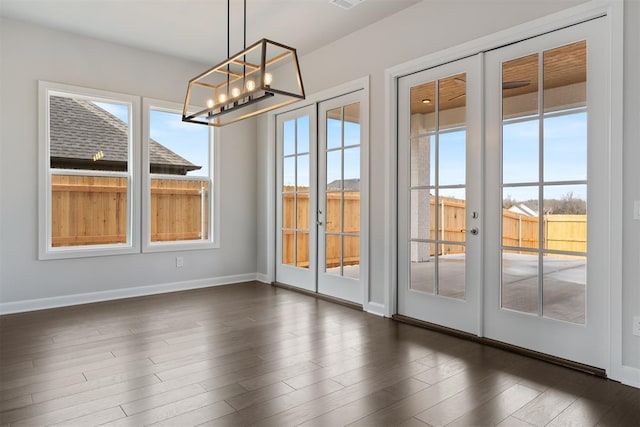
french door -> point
(536, 273)
(547, 199)
(319, 152)
(439, 198)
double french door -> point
(319, 155)
(503, 203)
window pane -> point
(288, 174)
(302, 259)
(302, 209)
(422, 267)
(334, 128)
(422, 165)
(288, 209)
(176, 147)
(334, 170)
(422, 215)
(351, 167)
(303, 173)
(423, 101)
(288, 247)
(452, 209)
(88, 210)
(352, 124)
(452, 101)
(520, 281)
(452, 152)
(179, 210)
(520, 217)
(565, 147)
(520, 87)
(88, 135)
(333, 256)
(520, 152)
(565, 219)
(351, 266)
(451, 271)
(564, 287)
(303, 134)
(565, 77)
(332, 217)
(289, 137)
(351, 212)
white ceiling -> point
(196, 29)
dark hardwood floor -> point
(253, 354)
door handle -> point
(318, 222)
(474, 231)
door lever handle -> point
(474, 231)
(318, 222)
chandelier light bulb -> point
(268, 79)
(235, 92)
(210, 103)
(251, 85)
(222, 98)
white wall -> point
(429, 27)
(31, 53)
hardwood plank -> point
(545, 407)
(94, 419)
(255, 397)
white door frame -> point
(348, 87)
(613, 10)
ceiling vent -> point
(346, 4)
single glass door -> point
(439, 195)
(547, 202)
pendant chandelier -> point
(260, 78)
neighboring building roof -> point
(522, 209)
(349, 184)
(80, 129)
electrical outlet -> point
(636, 326)
(179, 261)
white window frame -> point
(212, 242)
(132, 245)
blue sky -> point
(185, 139)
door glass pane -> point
(565, 147)
(302, 258)
(351, 207)
(288, 174)
(452, 98)
(351, 248)
(302, 211)
(451, 271)
(289, 137)
(565, 219)
(520, 217)
(422, 267)
(423, 101)
(422, 215)
(333, 254)
(351, 167)
(520, 152)
(303, 134)
(520, 281)
(452, 210)
(333, 221)
(288, 209)
(564, 287)
(520, 87)
(288, 247)
(303, 173)
(334, 128)
(334, 170)
(422, 166)
(452, 156)
(352, 124)
(565, 77)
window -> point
(179, 186)
(88, 185)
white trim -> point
(596, 8)
(213, 242)
(263, 278)
(45, 250)
(629, 376)
(375, 308)
(116, 294)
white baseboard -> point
(264, 278)
(630, 376)
(375, 308)
(85, 298)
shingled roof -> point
(80, 129)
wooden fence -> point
(89, 210)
